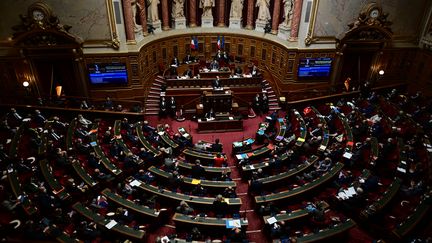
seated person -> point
(254, 71)
(214, 65)
(217, 84)
(238, 71)
(108, 104)
(216, 147)
(225, 57)
(219, 160)
(219, 56)
(84, 122)
(210, 115)
(188, 58)
(184, 208)
(175, 62)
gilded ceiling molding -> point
(310, 38)
(114, 42)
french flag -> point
(194, 43)
(220, 42)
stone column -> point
(165, 15)
(296, 18)
(250, 14)
(192, 13)
(143, 16)
(276, 17)
(128, 20)
(221, 13)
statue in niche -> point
(207, 6)
(263, 11)
(177, 9)
(152, 10)
(236, 9)
(288, 7)
(136, 9)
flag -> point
(194, 43)
(223, 42)
(218, 43)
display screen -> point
(314, 67)
(107, 73)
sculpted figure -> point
(177, 9)
(152, 10)
(207, 6)
(236, 9)
(263, 11)
(288, 6)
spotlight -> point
(381, 72)
(26, 84)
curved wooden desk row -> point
(55, 186)
(329, 232)
(348, 132)
(303, 130)
(205, 221)
(27, 205)
(208, 169)
(166, 138)
(299, 213)
(191, 181)
(302, 189)
(419, 212)
(201, 155)
(204, 201)
(294, 171)
(102, 221)
(65, 238)
(385, 199)
(145, 142)
(282, 130)
(120, 141)
(325, 138)
(82, 173)
(142, 210)
(70, 134)
(100, 154)
(255, 153)
(15, 141)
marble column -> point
(221, 13)
(128, 21)
(296, 18)
(165, 15)
(276, 16)
(250, 14)
(143, 16)
(192, 13)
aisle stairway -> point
(153, 97)
(271, 94)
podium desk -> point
(220, 125)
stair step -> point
(153, 96)
(272, 100)
(151, 104)
(152, 109)
(154, 92)
(155, 88)
(151, 113)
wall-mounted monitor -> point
(311, 68)
(107, 73)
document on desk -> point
(111, 224)
(271, 220)
(135, 183)
(233, 223)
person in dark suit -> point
(210, 114)
(217, 84)
(172, 106)
(219, 56)
(197, 170)
(188, 58)
(257, 104)
(255, 71)
(214, 65)
(163, 106)
(175, 62)
(238, 71)
(216, 147)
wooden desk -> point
(82, 173)
(204, 221)
(146, 143)
(204, 157)
(69, 135)
(208, 169)
(56, 188)
(102, 221)
(385, 198)
(212, 74)
(27, 205)
(191, 181)
(178, 197)
(256, 153)
(165, 137)
(327, 233)
(301, 189)
(220, 125)
(325, 138)
(142, 210)
(299, 213)
(282, 129)
(303, 129)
